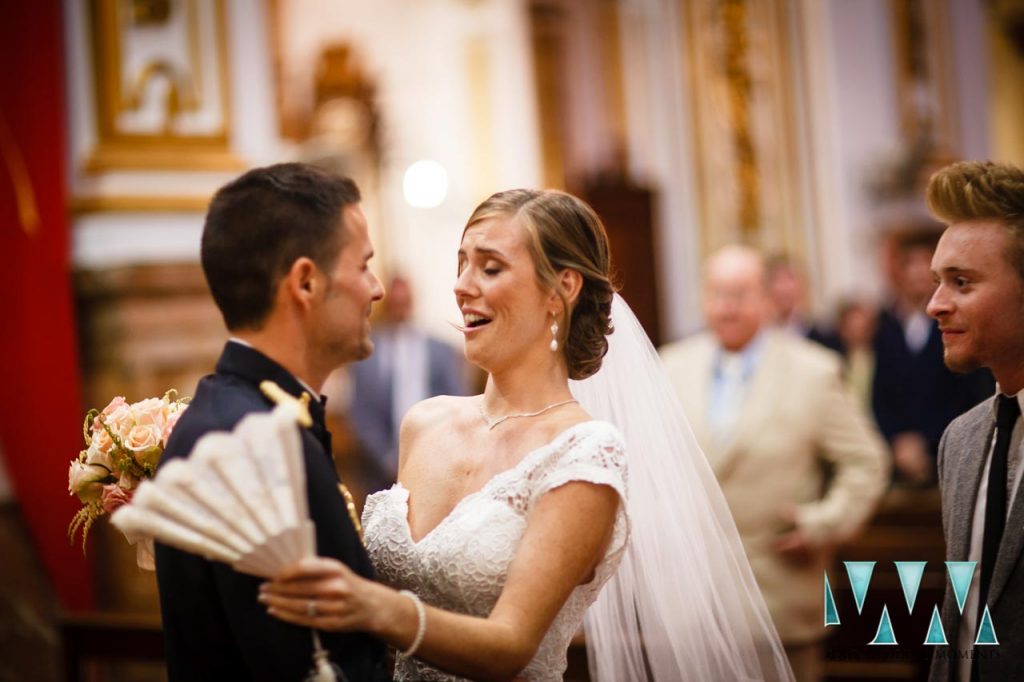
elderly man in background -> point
(767, 407)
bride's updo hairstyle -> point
(564, 232)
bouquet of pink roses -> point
(124, 443)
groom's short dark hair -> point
(259, 224)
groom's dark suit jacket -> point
(214, 627)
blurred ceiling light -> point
(425, 184)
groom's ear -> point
(301, 283)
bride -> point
(574, 471)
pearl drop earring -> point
(554, 337)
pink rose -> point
(97, 455)
(144, 442)
(86, 480)
(114, 496)
(142, 437)
(117, 402)
(102, 441)
(151, 411)
(120, 420)
(172, 420)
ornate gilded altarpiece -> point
(327, 103)
(752, 173)
(1006, 40)
(161, 85)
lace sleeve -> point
(595, 456)
(370, 505)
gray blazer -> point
(961, 461)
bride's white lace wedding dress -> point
(461, 565)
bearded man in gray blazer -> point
(979, 303)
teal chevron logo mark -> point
(910, 573)
(831, 612)
(884, 636)
(986, 631)
(859, 573)
(960, 574)
(936, 634)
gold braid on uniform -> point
(279, 396)
(350, 504)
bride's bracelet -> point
(421, 627)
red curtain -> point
(40, 388)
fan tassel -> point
(322, 669)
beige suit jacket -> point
(797, 417)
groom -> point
(285, 251)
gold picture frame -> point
(192, 71)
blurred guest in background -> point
(852, 336)
(768, 407)
(855, 337)
(914, 395)
(408, 366)
(788, 294)
(787, 291)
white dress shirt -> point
(731, 377)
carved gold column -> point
(733, 16)
(928, 111)
(481, 110)
(548, 53)
(746, 138)
(615, 98)
(1006, 38)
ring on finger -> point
(311, 608)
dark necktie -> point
(318, 411)
(1007, 413)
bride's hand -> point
(323, 594)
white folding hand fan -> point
(239, 498)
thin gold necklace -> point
(491, 423)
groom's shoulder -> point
(224, 399)
(218, 404)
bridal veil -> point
(684, 604)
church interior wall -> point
(456, 82)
